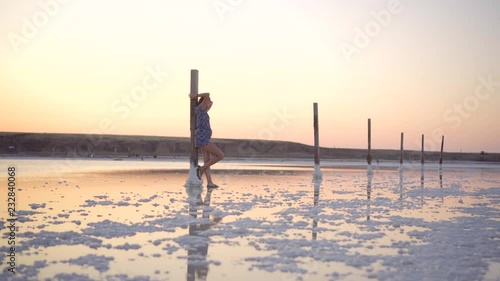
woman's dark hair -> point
(200, 101)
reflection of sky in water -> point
(137, 219)
(69, 165)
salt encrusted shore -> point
(278, 224)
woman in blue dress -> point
(211, 153)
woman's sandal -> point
(212, 185)
(199, 172)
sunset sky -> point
(122, 67)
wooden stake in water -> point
(316, 135)
(317, 171)
(401, 155)
(422, 153)
(369, 157)
(441, 156)
(193, 153)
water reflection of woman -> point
(197, 268)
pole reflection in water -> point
(368, 196)
(317, 186)
(422, 177)
(441, 182)
(440, 177)
(422, 182)
(401, 186)
(197, 267)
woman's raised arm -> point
(202, 95)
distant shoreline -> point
(124, 147)
(240, 166)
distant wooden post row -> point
(194, 152)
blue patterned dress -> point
(203, 130)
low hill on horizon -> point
(83, 145)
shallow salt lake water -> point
(135, 220)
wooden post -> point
(401, 155)
(422, 153)
(193, 155)
(317, 170)
(369, 158)
(316, 135)
(441, 156)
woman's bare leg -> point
(206, 158)
(215, 151)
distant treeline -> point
(116, 146)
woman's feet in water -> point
(199, 174)
(212, 185)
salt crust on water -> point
(444, 245)
(99, 262)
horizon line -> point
(264, 140)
